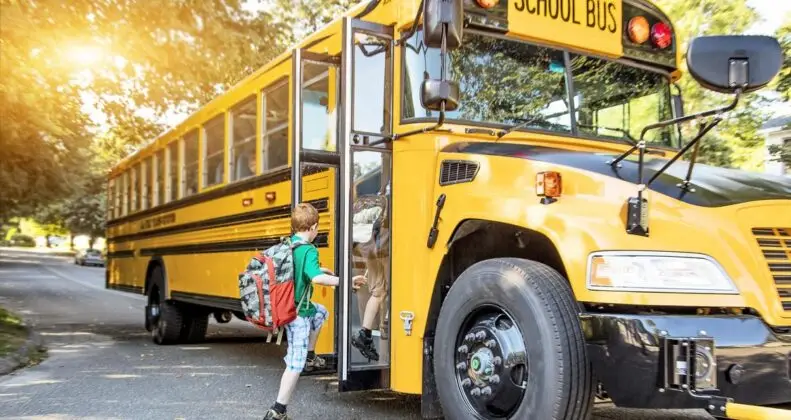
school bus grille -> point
(775, 245)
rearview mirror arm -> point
(704, 129)
(678, 120)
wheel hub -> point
(491, 364)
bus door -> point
(315, 165)
(365, 205)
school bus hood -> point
(713, 186)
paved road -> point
(102, 363)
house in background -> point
(777, 132)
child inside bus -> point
(303, 331)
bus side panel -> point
(412, 278)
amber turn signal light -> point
(548, 184)
(638, 29)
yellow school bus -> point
(515, 168)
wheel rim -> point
(491, 363)
(158, 324)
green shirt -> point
(306, 267)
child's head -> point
(305, 219)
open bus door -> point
(358, 176)
(364, 247)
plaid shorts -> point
(298, 336)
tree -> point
(121, 57)
(784, 80)
(735, 142)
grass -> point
(12, 333)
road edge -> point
(32, 351)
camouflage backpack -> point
(266, 286)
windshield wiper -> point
(627, 135)
(513, 128)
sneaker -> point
(271, 414)
(366, 346)
(316, 362)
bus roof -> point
(397, 13)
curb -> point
(21, 356)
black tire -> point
(539, 303)
(195, 322)
(168, 326)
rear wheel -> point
(164, 317)
(509, 345)
(196, 322)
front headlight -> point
(645, 271)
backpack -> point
(266, 287)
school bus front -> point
(565, 250)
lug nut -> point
(463, 349)
(480, 335)
(486, 391)
(461, 366)
(494, 379)
(466, 383)
(497, 360)
(491, 344)
(476, 392)
(469, 337)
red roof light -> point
(661, 36)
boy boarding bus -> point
(544, 242)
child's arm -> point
(314, 271)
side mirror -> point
(727, 63)
(436, 15)
(434, 92)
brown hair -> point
(303, 217)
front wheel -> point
(509, 345)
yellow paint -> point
(589, 216)
(753, 412)
(592, 25)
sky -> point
(772, 13)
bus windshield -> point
(508, 82)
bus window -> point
(616, 101)
(127, 194)
(161, 165)
(370, 252)
(148, 183)
(214, 157)
(372, 98)
(318, 118)
(190, 174)
(137, 186)
(173, 149)
(487, 68)
(243, 140)
(275, 129)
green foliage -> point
(781, 153)
(784, 80)
(735, 142)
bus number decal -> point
(158, 221)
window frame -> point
(266, 132)
(203, 151)
(232, 145)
